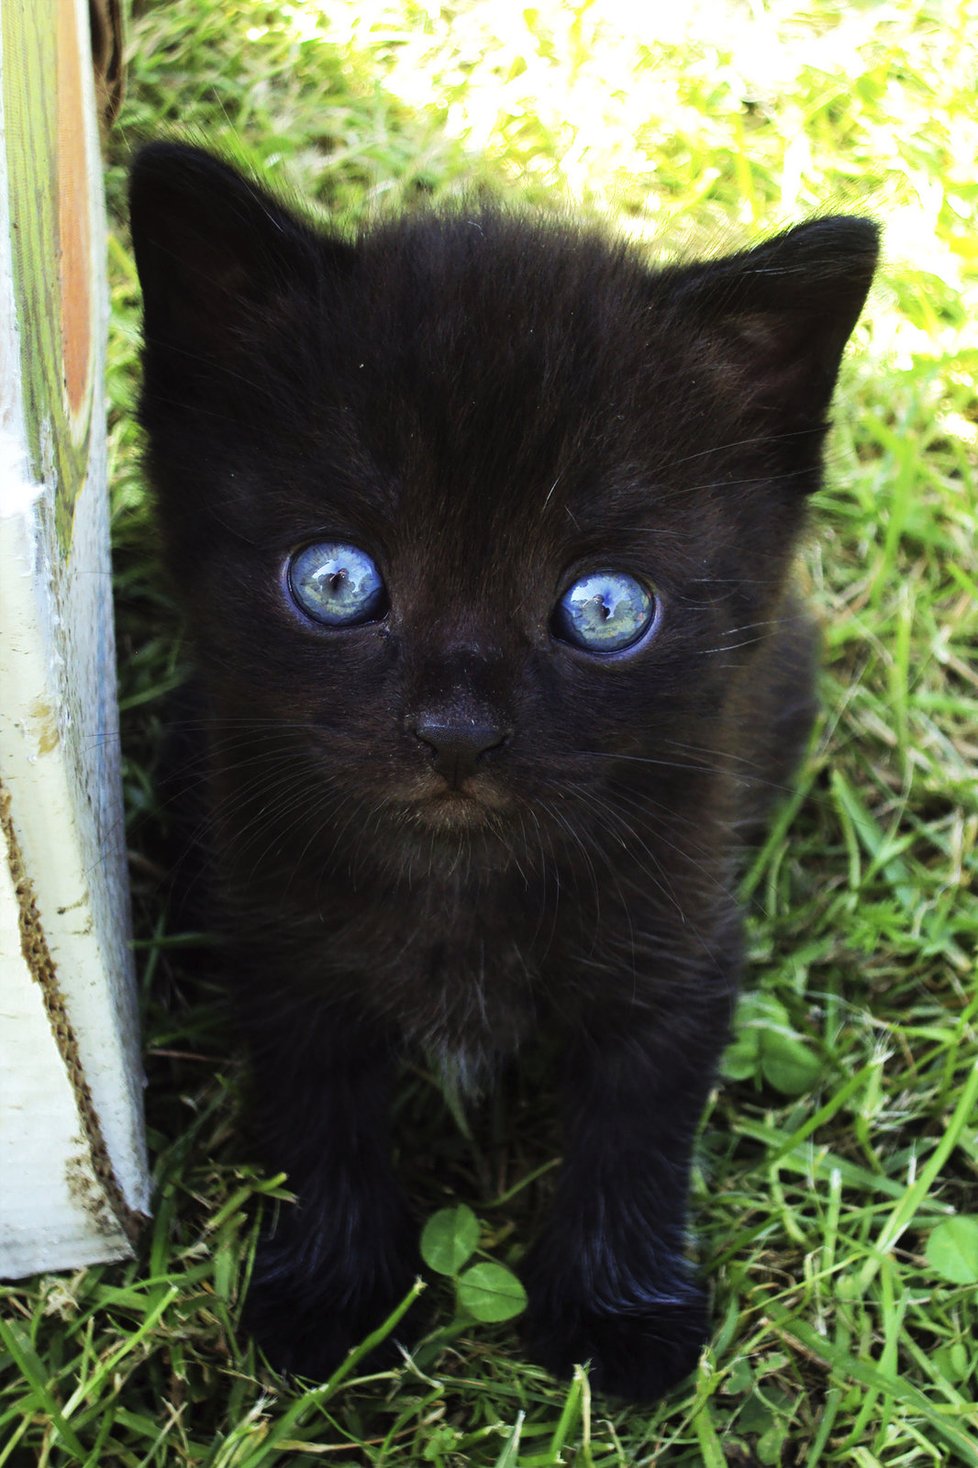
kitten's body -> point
(490, 407)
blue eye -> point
(604, 612)
(337, 584)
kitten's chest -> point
(452, 971)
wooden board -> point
(73, 1180)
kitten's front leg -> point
(334, 1264)
(608, 1281)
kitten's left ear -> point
(773, 321)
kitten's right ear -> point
(219, 259)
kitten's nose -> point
(457, 746)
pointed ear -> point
(771, 324)
(219, 259)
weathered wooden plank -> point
(73, 1180)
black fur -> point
(489, 404)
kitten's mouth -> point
(440, 806)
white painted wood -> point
(73, 1179)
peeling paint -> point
(46, 726)
(89, 1172)
(87, 1191)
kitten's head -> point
(479, 511)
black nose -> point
(456, 746)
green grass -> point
(836, 1339)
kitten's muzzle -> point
(457, 746)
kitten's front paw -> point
(307, 1325)
(638, 1352)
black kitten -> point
(484, 531)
